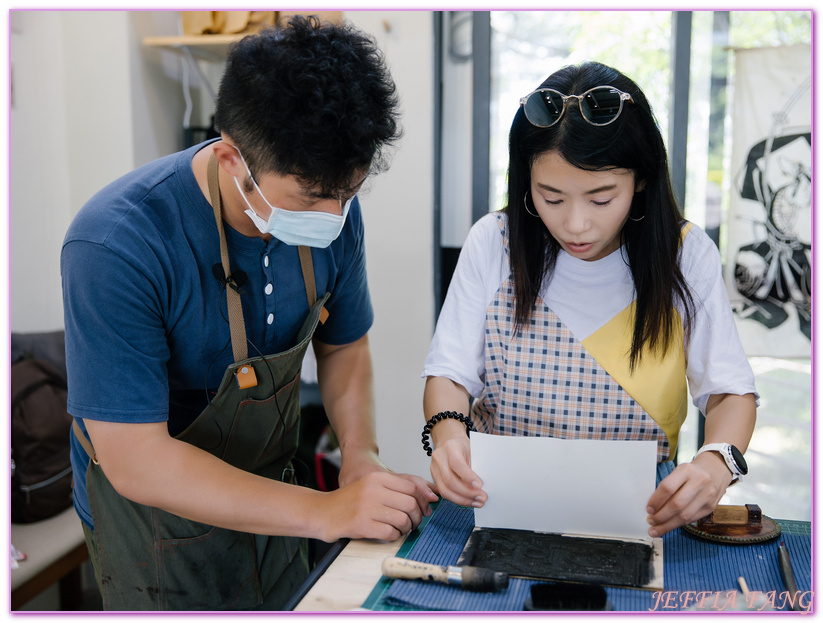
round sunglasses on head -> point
(599, 106)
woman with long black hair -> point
(588, 307)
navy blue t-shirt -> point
(147, 331)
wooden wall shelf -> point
(210, 46)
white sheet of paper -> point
(566, 486)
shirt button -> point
(269, 288)
(270, 319)
(266, 261)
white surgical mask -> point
(297, 228)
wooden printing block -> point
(735, 524)
(727, 515)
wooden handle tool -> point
(468, 578)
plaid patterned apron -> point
(545, 382)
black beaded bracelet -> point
(443, 415)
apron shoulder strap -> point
(75, 427)
(307, 267)
(236, 325)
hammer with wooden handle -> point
(468, 578)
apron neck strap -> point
(236, 325)
(307, 267)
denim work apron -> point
(148, 559)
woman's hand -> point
(451, 472)
(451, 458)
(689, 493)
(693, 490)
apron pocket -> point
(276, 417)
(213, 571)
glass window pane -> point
(769, 28)
(527, 46)
(712, 80)
(779, 453)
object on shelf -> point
(226, 22)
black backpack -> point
(41, 475)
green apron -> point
(147, 559)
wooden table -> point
(346, 580)
(350, 575)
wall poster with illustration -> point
(768, 249)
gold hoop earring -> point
(526, 205)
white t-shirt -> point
(586, 295)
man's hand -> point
(380, 505)
(357, 466)
(391, 504)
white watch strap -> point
(713, 447)
(724, 450)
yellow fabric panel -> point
(658, 384)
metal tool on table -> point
(788, 574)
(468, 578)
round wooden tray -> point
(736, 534)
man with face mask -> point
(192, 289)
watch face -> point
(741, 462)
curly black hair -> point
(311, 99)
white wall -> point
(456, 141)
(38, 170)
(78, 120)
(399, 218)
(90, 103)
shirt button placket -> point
(268, 291)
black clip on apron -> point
(149, 559)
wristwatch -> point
(733, 457)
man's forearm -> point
(147, 466)
(347, 386)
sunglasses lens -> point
(601, 106)
(543, 108)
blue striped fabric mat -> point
(691, 569)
